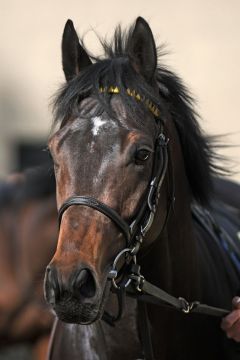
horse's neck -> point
(172, 264)
(172, 261)
(125, 331)
(182, 253)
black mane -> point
(114, 69)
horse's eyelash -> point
(145, 148)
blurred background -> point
(202, 40)
(203, 46)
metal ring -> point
(114, 267)
(129, 280)
(115, 284)
(126, 250)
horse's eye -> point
(141, 156)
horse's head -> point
(104, 150)
(111, 159)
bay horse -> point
(130, 161)
(28, 236)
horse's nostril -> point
(60, 288)
(84, 284)
(81, 278)
(52, 290)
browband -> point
(149, 104)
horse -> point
(87, 341)
(29, 229)
(9, 289)
(133, 185)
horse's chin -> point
(82, 317)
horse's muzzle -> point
(75, 298)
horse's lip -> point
(102, 303)
(98, 309)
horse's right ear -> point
(142, 50)
(74, 57)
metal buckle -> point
(150, 219)
(136, 247)
(153, 187)
(162, 139)
(186, 306)
(139, 280)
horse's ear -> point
(142, 49)
(74, 57)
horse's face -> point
(106, 157)
(110, 160)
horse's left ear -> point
(142, 49)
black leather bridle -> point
(136, 231)
(134, 235)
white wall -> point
(202, 37)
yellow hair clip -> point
(115, 90)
